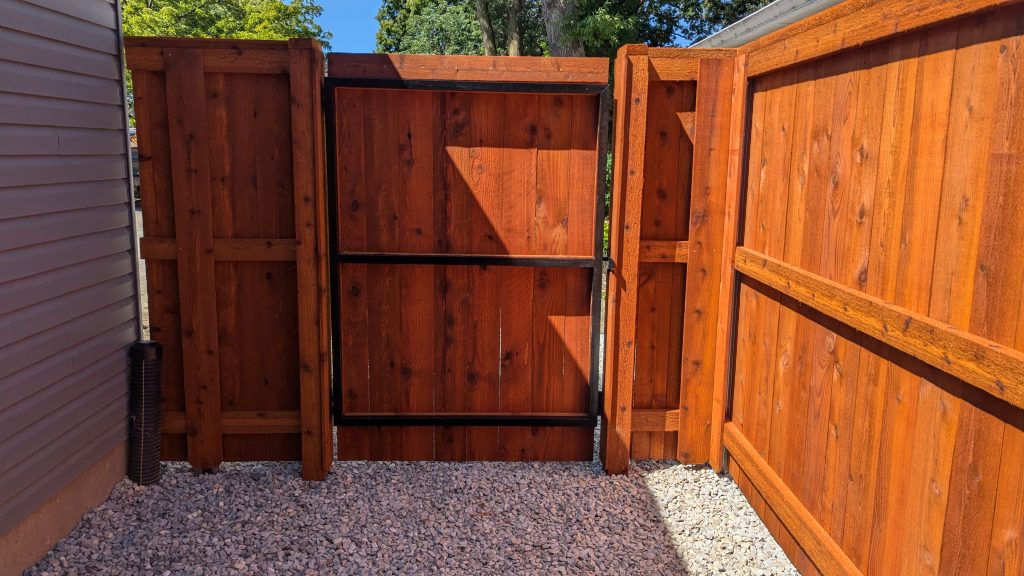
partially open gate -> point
(468, 205)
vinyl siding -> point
(67, 274)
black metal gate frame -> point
(597, 263)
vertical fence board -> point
(623, 287)
(710, 174)
(306, 62)
(190, 175)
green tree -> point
(443, 28)
(600, 25)
(700, 18)
(430, 26)
(249, 19)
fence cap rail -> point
(476, 68)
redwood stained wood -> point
(306, 61)
(822, 550)
(665, 203)
(471, 178)
(623, 283)
(710, 172)
(730, 236)
(903, 438)
(158, 219)
(248, 211)
(664, 251)
(980, 451)
(190, 172)
(852, 24)
(517, 295)
(469, 68)
(353, 443)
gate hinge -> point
(609, 264)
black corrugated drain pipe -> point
(144, 413)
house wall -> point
(67, 275)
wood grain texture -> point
(471, 68)
(305, 64)
(827, 556)
(456, 173)
(850, 25)
(190, 174)
(707, 207)
(225, 249)
(230, 133)
(666, 251)
(988, 366)
(884, 340)
(730, 236)
(631, 116)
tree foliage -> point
(422, 26)
(249, 19)
(600, 25)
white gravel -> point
(423, 518)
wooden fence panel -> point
(231, 162)
(877, 385)
(673, 118)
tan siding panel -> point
(55, 170)
(20, 47)
(67, 287)
(27, 352)
(39, 21)
(36, 319)
(26, 79)
(32, 200)
(23, 263)
(96, 11)
(16, 387)
(54, 283)
(37, 111)
(93, 439)
(29, 230)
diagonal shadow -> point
(465, 173)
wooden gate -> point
(468, 203)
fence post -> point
(727, 293)
(190, 178)
(306, 79)
(707, 200)
(631, 80)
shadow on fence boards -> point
(818, 281)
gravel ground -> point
(415, 518)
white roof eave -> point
(768, 19)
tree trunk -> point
(485, 27)
(514, 7)
(555, 14)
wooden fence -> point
(869, 373)
(232, 168)
(672, 135)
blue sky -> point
(353, 23)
